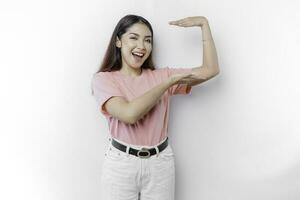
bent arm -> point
(210, 66)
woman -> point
(134, 98)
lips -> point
(139, 54)
(137, 58)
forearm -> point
(142, 105)
(210, 58)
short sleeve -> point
(179, 88)
(104, 88)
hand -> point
(188, 78)
(190, 21)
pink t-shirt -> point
(153, 127)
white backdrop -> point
(235, 137)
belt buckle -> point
(144, 150)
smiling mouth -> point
(137, 57)
(138, 54)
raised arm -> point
(210, 66)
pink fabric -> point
(153, 127)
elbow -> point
(213, 74)
(216, 72)
(217, 69)
(210, 72)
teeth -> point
(138, 54)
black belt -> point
(144, 152)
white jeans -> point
(124, 175)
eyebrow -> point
(138, 34)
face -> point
(137, 39)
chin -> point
(137, 66)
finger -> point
(181, 21)
(187, 24)
(178, 21)
(172, 22)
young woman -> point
(134, 96)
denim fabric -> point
(124, 176)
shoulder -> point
(102, 78)
(103, 75)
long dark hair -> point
(112, 60)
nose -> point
(141, 45)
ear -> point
(118, 43)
